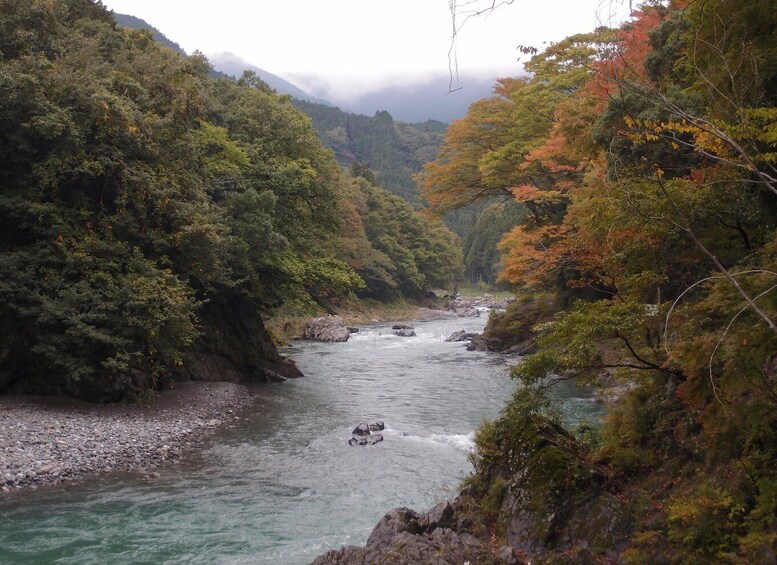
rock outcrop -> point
(405, 537)
(326, 328)
(460, 335)
(235, 346)
(480, 342)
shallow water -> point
(283, 485)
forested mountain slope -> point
(394, 150)
(152, 215)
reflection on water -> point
(284, 486)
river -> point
(283, 486)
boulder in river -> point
(326, 328)
(402, 327)
(365, 440)
(353, 329)
(405, 333)
(461, 335)
(482, 343)
(377, 426)
(467, 312)
(361, 430)
(362, 434)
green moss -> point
(492, 502)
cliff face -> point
(235, 346)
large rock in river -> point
(326, 328)
(461, 335)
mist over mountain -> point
(234, 65)
(413, 102)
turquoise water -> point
(283, 485)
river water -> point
(283, 486)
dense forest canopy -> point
(151, 212)
(646, 160)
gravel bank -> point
(45, 441)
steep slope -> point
(394, 150)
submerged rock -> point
(405, 333)
(326, 328)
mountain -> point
(131, 22)
(224, 64)
(394, 150)
(424, 101)
(233, 65)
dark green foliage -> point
(394, 150)
(153, 215)
(134, 191)
(406, 255)
(481, 257)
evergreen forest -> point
(153, 215)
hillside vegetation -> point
(152, 215)
(646, 161)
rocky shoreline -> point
(46, 441)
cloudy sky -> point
(351, 46)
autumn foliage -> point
(645, 160)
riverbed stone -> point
(377, 426)
(405, 333)
(401, 326)
(48, 441)
(327, 329)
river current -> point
(283, 485)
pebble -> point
(45, 443)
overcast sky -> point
(349, 46)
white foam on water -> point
(464, 442)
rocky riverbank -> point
(46, 441)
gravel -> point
(46, 441)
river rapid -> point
(283, 485)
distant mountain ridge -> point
(224, 64)
(234, 65)
(131, 22)
(428, 100)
